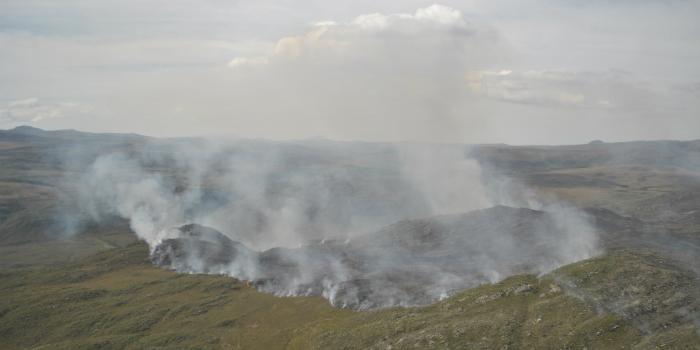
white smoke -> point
(118, 185)
(307, 194)
(449, 182)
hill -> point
(412, 262)
(75, 276)
(117, 299)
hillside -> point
(73, 275)
(117, 299)
(412, 262)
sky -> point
(471, 71)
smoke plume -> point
(363, 225)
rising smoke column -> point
(298, 220)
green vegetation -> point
(116, 299)
(98, 290)
(49, 252)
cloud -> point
(32, 110)
(692, 89)
(361, 69)
(563, 88)
(248, 61)
(434, 27)
(377, 76)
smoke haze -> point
(363, 225)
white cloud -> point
(563, 88)
(377, 76)
(248, 61)
(279, 69)
(432, 28)
(440, 14)
(32, 110)
(325, 23)
(373, 21)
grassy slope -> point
(116, 299)
(50, 252)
